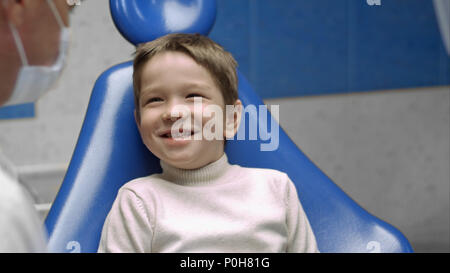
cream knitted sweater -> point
(216, 208)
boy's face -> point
(171, 81)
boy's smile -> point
(171, 82)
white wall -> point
(388, 150)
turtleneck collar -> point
(208, 174)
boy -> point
(199, 203)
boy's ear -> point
(233, 119)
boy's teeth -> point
(181, 134)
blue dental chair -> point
(109, 151)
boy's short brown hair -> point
(207, 53)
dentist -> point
(33, 44)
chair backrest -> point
(110, 152)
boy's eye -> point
(155, 99)
(193, 95)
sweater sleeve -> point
(300, 235)
(127, 227)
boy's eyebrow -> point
(150, 88)
(195, 85)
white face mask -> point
(33, 81)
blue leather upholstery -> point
(109, 153)
(161, 17)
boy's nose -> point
(168, 116)
(175, 112)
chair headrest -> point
(141, 21)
